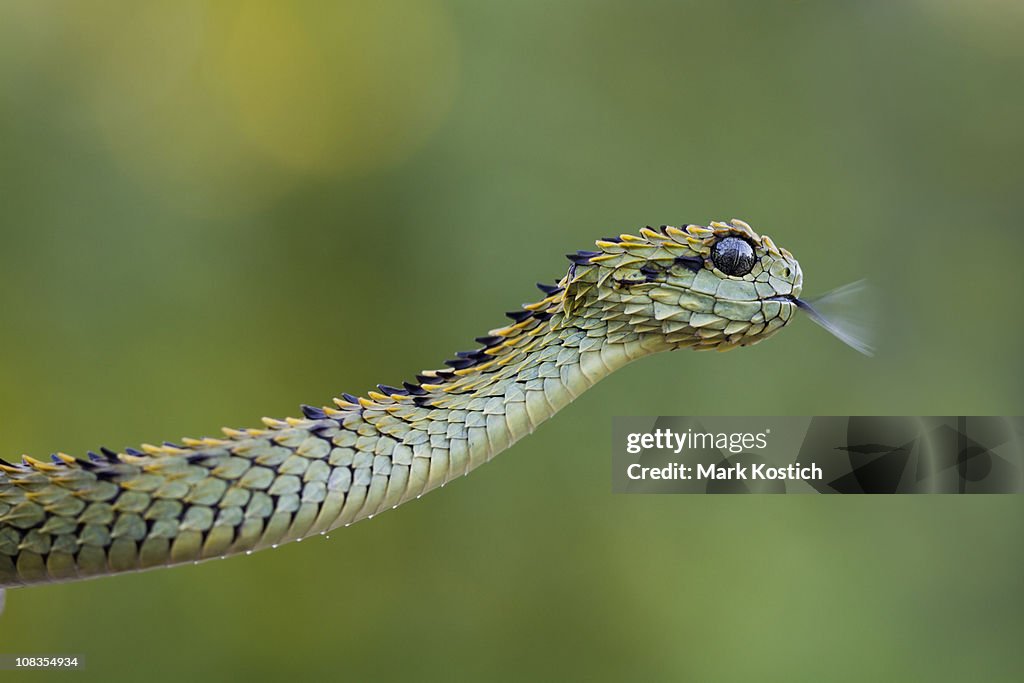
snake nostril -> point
(786, 272)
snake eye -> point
(733, 256)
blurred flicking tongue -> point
(844, 313)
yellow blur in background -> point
(211, 212)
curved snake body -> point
(160, 505)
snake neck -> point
(452, 421)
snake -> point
(719, 286)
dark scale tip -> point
(542, 315)
(445, 374)
(489, 341)
(105, 472)
(476, 354)
(171, 444)
(616, 240)
(350, 398)
(55, 459)
(460, 363)
(549, 289)
(582, 258)
(422, 402)
(694, 263)
(423, 379)
(519, 316)
(133, 451)
(313, 413)
(93, 457)
(414, 389)
(389, 390)
(111, 455)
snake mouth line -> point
(784, 298)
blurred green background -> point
(211, 212)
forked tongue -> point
(843, 313)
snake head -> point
(714, 287)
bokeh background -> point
(211, 212)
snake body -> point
(160, 505)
